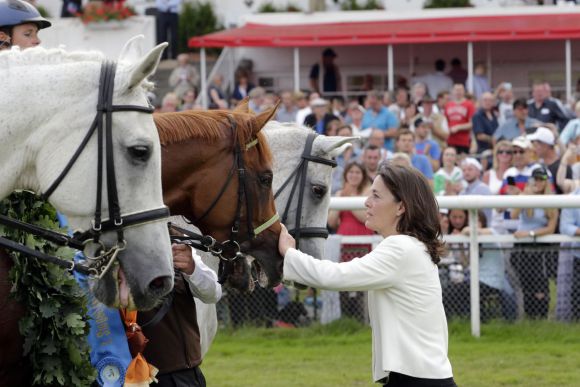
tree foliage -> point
(353, 5)
(55, 325)
(196, 19)
(448, 4)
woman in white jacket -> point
(401, 275)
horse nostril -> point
(160, 285)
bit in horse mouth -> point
(258, 275)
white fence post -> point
(474, 273)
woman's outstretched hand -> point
(286, 241)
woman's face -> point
(449, 157)
(539, 185)
(354, 176)
(505, 155)
(25, 35)
(457, 219)
(383, 211)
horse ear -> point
(243, 106)
(334, 145)
(266, 115)
(145, 66)
(132, 50)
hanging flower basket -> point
(105, 15)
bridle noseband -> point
(208, 243)
(299, 175)
(103, 125)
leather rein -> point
(116, 221)
(232, 245)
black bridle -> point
(299, 175)
(103, 125)
(208, 243)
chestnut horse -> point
(201, 181)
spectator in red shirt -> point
(459, 112)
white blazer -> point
(405, 303)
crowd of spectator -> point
(483, 143)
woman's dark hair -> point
(421, 216)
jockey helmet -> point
(15, 12)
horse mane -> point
(43, 56)
(210, 126)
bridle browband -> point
(208, 243)
(103, 125)
(299, 175)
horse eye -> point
(266, 180)
(319, 191)
(139, 152)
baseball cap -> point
(472, 161)
(318, 102)
(543, 134)
(540, 172)
(418, 122)
(521, 142)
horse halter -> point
(299, 175)
(209, 244)
(102, 123)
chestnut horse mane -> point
(210, 126)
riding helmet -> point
(15, 12)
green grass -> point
(531, 354)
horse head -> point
(86, 143)
(304, 209)
(217, 172)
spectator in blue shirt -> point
(426, 146)
(406, 144)
(378, 116)
(167, 22)
(570, 225)
(485, 123)
(544, 109)
(519, 125)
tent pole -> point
(296, 69)
(470, 67)
(489, 66)
(203, 70)
(391, 69)
(568, 71)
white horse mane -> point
(43, 56)
(39, 56)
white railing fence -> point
(473, 203)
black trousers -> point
(186, 378)
(396, 379)
(167, 23)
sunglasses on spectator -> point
(540, 178)
(505, 152)
(519, 151)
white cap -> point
(318, 102)
(472, 161)
(544, 135)
(521, 142)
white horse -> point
(287, 142)
(48, 102)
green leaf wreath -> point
(55, 326)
